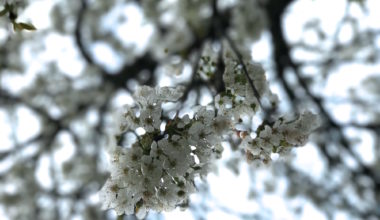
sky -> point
(227, 188)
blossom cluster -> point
(248, 21)
(157, 171)
(239, 99)
(279, 137)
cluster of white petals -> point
(239, 98)
(249, 21)
(157, 170)
(208, 62)
(279, 137)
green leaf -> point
(25, 26)
(3, 12)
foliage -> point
(10, 9)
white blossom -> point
(157, 171)
(281, 135)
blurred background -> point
(60, 84)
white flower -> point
(145, 95)
(157, 172)
(266, 133)
(221, 124)
(205, 115)
(151, 167)
(178, 158)
(150, 121)
(184, 121)
(169, 94)
(200, 133)
(127, 119)
(222, 103)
